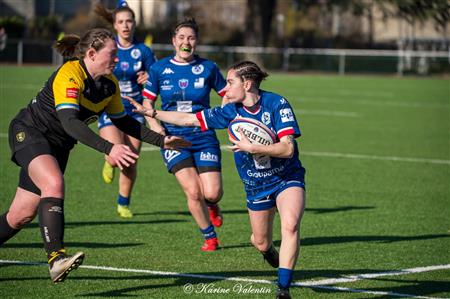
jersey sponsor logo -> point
(283, 101)
(166, 85)
(197, 69)
(199, 82)
(286, 115)
(135, 53)
(169, 155)
(265, 118)
(137, 66)
(184, 106)
(265, 174)
(183, 83)
(20, 137)
(261, 161)
(72, 93)
(206, 156)
(168, 71)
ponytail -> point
(68, 46)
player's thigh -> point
(46, 174)
(189, 180)
(291, 205)
(112, 134)
(211, 184)
(133, 143)
(261, 222)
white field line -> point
(309, 284)
(149, 148)
(327, 113)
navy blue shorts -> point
(270, 201)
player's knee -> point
(290, 226)
(213, 196)
(193, 194)
(18, 219)
(53, 187)
(262, 244)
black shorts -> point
(27, 143)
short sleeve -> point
(151, 90)
(285, 122)
(67, 87)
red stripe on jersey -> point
(285, 132)
(72, 93)
(200, 118)
(148, 95)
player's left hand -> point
(142, 77)
(174, 142)
(243, 145)
(138, 108)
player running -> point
(276, 184)
(135, 59)
(184, 82)
(42, 135)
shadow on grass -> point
(73, 245)
(119, 222)
(244, 211)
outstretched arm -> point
(173, 117)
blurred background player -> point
(131, 70)
(42, 135)
(276, 184)
(184, 82)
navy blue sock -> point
(285, 277)
(124, 201)
(209, 233)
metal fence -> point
(341, 61)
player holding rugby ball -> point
(272, 173)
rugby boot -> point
(108, 173)
(272, 256)
(210, 244)
(215, 215)
(60, 264)
(283, 294)
(124, 211)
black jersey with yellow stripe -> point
(71, 87)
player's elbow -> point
(288, 151)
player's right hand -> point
(121, 156)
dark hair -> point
(72, 45)
(189, 22)
(110, 15)
(248, 70)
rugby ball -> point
(255, 131)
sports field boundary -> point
(319, 284)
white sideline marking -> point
(352, 278)
(327, 113)
(149, 148)
(320, 284)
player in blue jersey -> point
(184, 81)
(131, 70)
(278, 183)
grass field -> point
(376, 151)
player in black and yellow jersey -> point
(42, 135)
